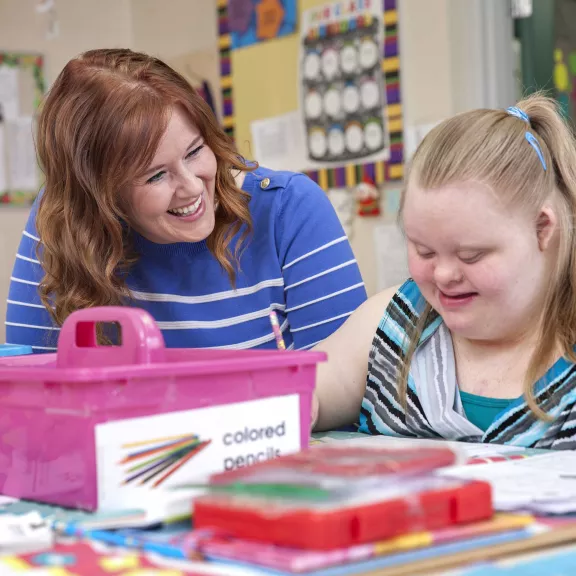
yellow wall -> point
(265, 80)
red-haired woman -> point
(147, 203)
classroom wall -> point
(172, 28)
(184, 33)
(425, 56)
(426, 77)
(84, 24)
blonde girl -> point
(479, 344)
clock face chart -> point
(342, 89)
(368, 53)
(330, 63)
(336, 141)
(348, 58)
(313, 105)
(351, 99)
(311, 66)
(370, 94)
(354, 137)
(373, 135)
(317, 143)
(332, 103)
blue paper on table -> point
(551, 563)
(169, 540)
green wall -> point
(536, 35)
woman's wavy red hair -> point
(99, 128)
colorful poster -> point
(253, 21)
(342, 85)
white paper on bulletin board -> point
(342, 93)
(3, 175)
(278, 142)
(391, 257)
(22, 164)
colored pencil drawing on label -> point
(156, 460)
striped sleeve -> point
(27, 320)
(322, 282)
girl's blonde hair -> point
(98, 130)
(491, 146)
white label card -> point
(140, 459)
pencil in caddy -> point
(113, 427)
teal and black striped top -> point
(434, 404)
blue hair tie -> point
(515, 111)
(530, 138)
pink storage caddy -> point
(51, 403)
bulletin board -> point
(260, 81)
(22, 87)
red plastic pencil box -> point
(369, 505)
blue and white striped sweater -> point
(298, 262)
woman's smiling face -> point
(174, 200)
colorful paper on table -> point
(178, 541)
(437, 559)
(175, 540)
(59, 517)
(83, 558)
(399, 563)
(299, 561)
(253, 21)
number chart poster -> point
(253, 21)
(342, 90)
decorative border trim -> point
(225, 47)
